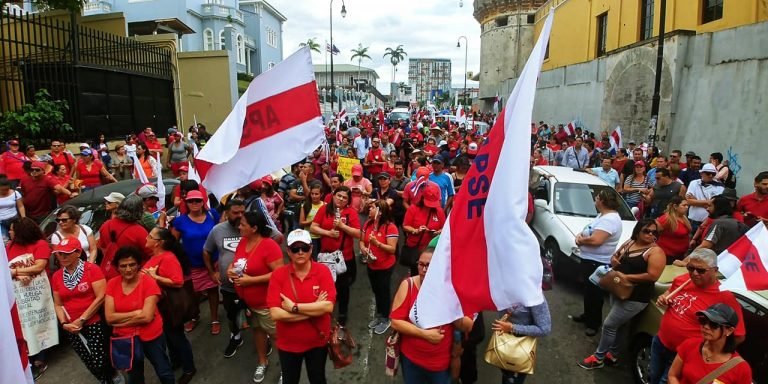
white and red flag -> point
(615, 139)
(496, 101)
(487, 258)
(340, 119)
(461, 115)
(745, 263)
(275, 123)
(14, 364)
(381, 119)
(570, 128)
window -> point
(546, 50)
(271, 37)
(222, 41)
(602, 31)
(502, 21)
(208, 40)
(646, 19)
(240, 49)
(711, 10)
(531, 18)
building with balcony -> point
(430, 78)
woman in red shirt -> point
(698, 358)
(425, 353)
(256, 257)
(377, 247)
(300, 298)
(90, 171)
(79, 288)
(167, 266)
(675, 229)
(131, 309)
(423, 221)
(338, 225)
(63, 178)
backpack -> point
(730, 180)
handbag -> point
(510, 352)
(392, 346)
(124, 350)
(177, 305)
(616, 285)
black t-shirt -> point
(661, 196)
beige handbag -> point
(510, 352)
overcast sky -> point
(425, 28)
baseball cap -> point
(84, 145)
(115, 197)
(721, 314)
(632, 142)
(183, 168)
(194, 195)
(13, 142)
(431, 196)
(730, 194)
(422, 172)
(383, 175)
(148, 190)
(68, 245)
(38, 164)
(441, 143)
(708, 168)
(86, 152)
(472, 149)
(437, 159)
(299, 236)
(357, 170)
(267, 179)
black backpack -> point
(730, 181)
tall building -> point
(430, 78)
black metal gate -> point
(114, 85)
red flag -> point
(381, 120)
(744, 263)
(570, 129)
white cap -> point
(299, 236)
(115, 197)
(442, 142)
(708, 167)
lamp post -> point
(466, 46)
(343, 14)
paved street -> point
(557, 354)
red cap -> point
(422, 172)
(13, 142)
(431, 196)
(68, 245)
(38, 164)
(267, 179)
(357, 170)
(183, 168)
(194, 194)
(472, 149)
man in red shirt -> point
(375, 159)
(39, 191)
(60, 157)
(754, 206)
(155, 147)
(13, 159)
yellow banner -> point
(345, 166)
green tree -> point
(312, 44)
(395, 57)
(360, 53)
(44, 118)
(70, 5)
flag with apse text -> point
(487, 258)
(276, 123)
(745, 263)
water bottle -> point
(338, 214)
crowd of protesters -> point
(146, 274)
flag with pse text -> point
(276, 122)
(14, 364)
(744, 264)
(487, 258)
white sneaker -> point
(281, 379)
(373, 323)
(382, 327)
(258, 375)
(118, 379)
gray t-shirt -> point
(223, 239)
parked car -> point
(398, 114)
(645, 325)
(564, 204)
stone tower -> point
(506, 41)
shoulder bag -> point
(335, 260)
(392, 345)
(340, 343)
(727, 366)
(177, 305)
(613, 282)
(510, 352)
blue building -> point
(251, 30)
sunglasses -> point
(300, 248)
(700, 271)
(424, 265)
(706, 322)
(194, 201)
(63, 220)
(650, 232)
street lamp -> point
(466, 46)
(343, 14)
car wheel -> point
(641, 359)
(553, 255)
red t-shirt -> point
(257, 264)
(679, 321)
(409, 196)
(167, 266)
(91, 178)
(115, 233)
(38, 195)
(328, 244)
(384, 260)
(301, 336)
(674, 243)
(695, 369)
(63, 158)
(40, 250)
(756, 207)
(147, 287)
(76, 301)
(432, 357)
(415, 217)
(375, 155)
(14, 165)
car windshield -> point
(395, 116)
(92, 215)
(573, 199)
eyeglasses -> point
(700, 271)
(300, 248)
(650, 232)
(153, 238)
(194, 201)
(128, 266)
(35, 170)
(424, 265)
(706, 322)
(63, 219)
(342, 197)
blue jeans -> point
(179, 348)
(154, 351)
(661, 360)
(414, 374)
(509, 377)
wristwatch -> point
(295, 308)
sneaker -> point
(232, 347)
(215, 328)
(610, 359)
(118, 379)
(373, 323)
(258, 375)
(576, 318)
(590, 331)
(38, 370)
(382, 327)
(281, 379)
(190, 325)
(269, 345)
(590, 363)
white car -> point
(564, 204)
(399, 114)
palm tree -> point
(395, 57)
(312, 44)
(360, 53)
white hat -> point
(115, 197)
(708, 167)
(299, 236)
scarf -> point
(71, 280)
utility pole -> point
(657, 81)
